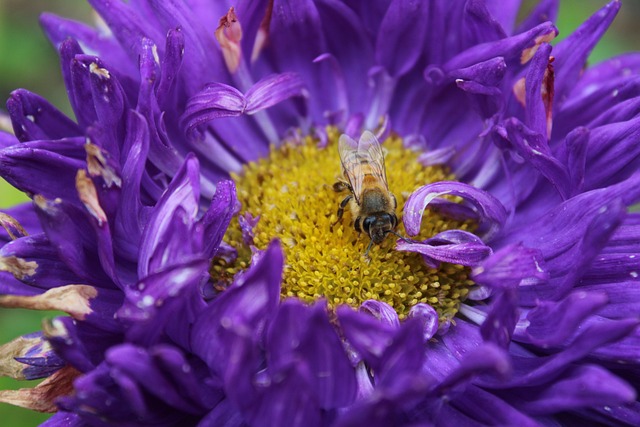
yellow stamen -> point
(291, 190)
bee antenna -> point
(400, 236)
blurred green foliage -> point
(28, 61)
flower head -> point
(186, 220)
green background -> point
(28, 61)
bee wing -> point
(362, 158)
(350, 160)
(370, 149)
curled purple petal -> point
(273, 90)
(219, 100)
(491, 213)
(452, 246)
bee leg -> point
(366, 253)
(343, 204)
(395, 202)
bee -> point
(371, 203)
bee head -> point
(378, 225)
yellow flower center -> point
(292, 192)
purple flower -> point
(186, 223)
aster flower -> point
(183, 220)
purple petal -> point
(251, 15)
(486, 100)
(538, 119)
(533, 371)
(224, 414)
(155, 290)
(479, 407)
(367, 335)
(504, 13)
(272, 90)
(550, 323)
(241, 310)
(196, 21)
(61, 32)
(574, 155)
(440, 156)
(215, 101)
(296, 39)
(218, 100)
(182, 194)
(401, 36)
(487, 358)
(428, 317)
(571, 54)
(612, 153)
(381, 311)
(333, 378)
(101, 99)
(452, 246)
(70, 232)
(545, 10)
(534, 149)
(351, 49)
(400, 362)
(35, 118)
(68, 343)
(511, 266)
(569, 252)
(480, 25)
(487, 73)
(170, 64)
(127, 229)
(492, 214)
(217, 218)
(47, 168)
(501, 320)
(521, 47)
(601, 103)
(279, 406)
(584, 386)
(127, 25)
(177, 387)
(286, 330)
